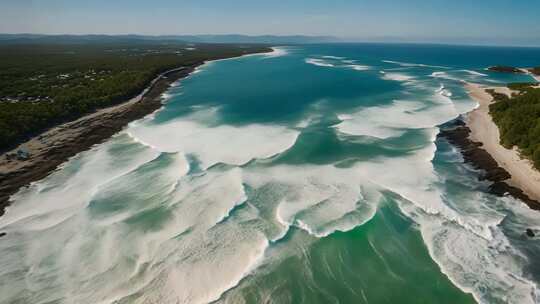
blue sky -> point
(493, 21)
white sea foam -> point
(475, 73)
(439, 74)
(397, 77)
(445, 75)
(114, 245)
(394, 119)
(444, 92)
(213, 252)
(462, 236)
(86, 171)
(318, 199)
(407, 64)
(200, 134)
(333, 57)
(358, 67)
(335, 61)
(165, 96)
(489, 268)
(464, 241)
(319, 62)
(277, 52)
(419, 186)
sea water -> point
(310, 175)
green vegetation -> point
(518, 119)
(45, 84)
(519, 86)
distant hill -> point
(83, 39)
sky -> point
(514, 22)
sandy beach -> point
(485, 131)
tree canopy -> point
(518, 119)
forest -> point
(42, 85)
(518, 119)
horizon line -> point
(338, 39)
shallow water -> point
(310, 176)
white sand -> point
(536, 77)
(484, 130)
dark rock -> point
(2, 234)
(458, 135)
(23, 154)
(530, 233)
(506, 69)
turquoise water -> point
(310, 175)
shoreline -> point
(478, 138)
(528, 71)
(55, 146)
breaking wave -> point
(335, 61)
(407, 64)
(212, 144)
(474, 73)
(319, 62)
(397, 76)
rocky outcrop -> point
(506, 69)
(473, 154)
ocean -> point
(309, 175)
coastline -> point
(528, 71)
(53, 147)
(478, 138)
